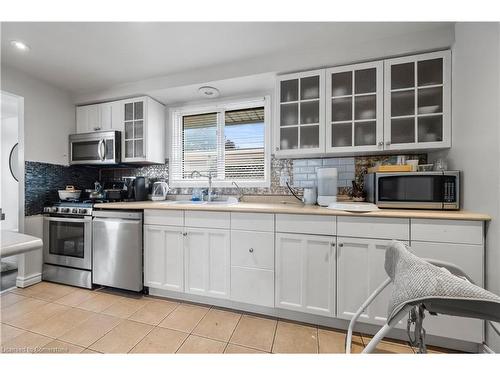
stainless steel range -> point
(67, 243)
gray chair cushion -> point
(416, 281)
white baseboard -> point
(23, 282)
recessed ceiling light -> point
(208, 92)
(21, 46)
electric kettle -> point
(160, 190)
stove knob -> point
(55, 209)
(64, 210)
(74, 210)
(82, 211)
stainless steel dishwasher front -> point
(117, 249)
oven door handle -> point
(69, 219)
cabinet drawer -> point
(164, 217)
(199, 219)
(252, 249)
(372, 227)
(252, 286)
(310, 224)
(454, 231)
(252, 221)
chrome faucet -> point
(240, 193)
(209, 176)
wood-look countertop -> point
(293, 208)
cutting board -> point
(390, 168)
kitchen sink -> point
(186, 202)
(229, 201)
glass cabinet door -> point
(300, 112)
(134, 130)
(418, 94)
(354, 107)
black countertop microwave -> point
(434, 190)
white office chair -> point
(421, 285)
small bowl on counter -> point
(425, 167)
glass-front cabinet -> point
(354, 108)
(418, 101)
(300, 113)
(134, 130)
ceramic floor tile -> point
(295, 338)
(389, 347)
(161, 340)
(37, 316)
(255, 332)
(76, 297)
(217, 324)
(8, 332)
(99, 302)
(59, 324)
(236, 349)
(184, 318)
(20, 308)
(8, 299)
(154, 312)
(125, 307)
(88, 351)
(59, 347)
(122, 338)
(200, 345)
(27, 342)
(91, 330)
(46, 291)
(333, 341)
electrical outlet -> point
(284, 178)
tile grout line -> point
(232, 333)
(190, 333)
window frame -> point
(175, 144)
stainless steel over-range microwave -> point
(435, 190)
(95, 148)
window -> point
(230, 141)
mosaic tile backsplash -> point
(43, 180)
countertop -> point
(294, 208)
(14, 243)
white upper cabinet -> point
(354, 108)
(99, 117)
(394, 104)
(418, 101)
(300, 113)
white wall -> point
(49, 116)
(476, 134)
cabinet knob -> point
(332, 244)
(380, 144)
(341, 244)
(184, 234)
(388, 143)
(97, 128)
(277, 149)
(250, 250)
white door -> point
(207, 262)
(82, 121)
(106, 115)
(360, 270)
(93, 117)
(164, 257)
(417, 101)
(354, 108)
(300, 114)
(470, 259)
(117, 116)
(305, 273)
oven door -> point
(410, 190)
(68, 241)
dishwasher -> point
(117, 249)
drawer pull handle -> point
(250, 250)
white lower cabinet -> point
(305, 273)
(207, 262)
(360, 270)
(470, 259)
(164, 257)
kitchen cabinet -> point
(164, 257)
(207, 262)
(305, 273)
(144, 127)
(300, 114)
(98, 117)
(360, 270)
(354, 108)
(418, 101)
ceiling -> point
(81, 57)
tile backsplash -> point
(43, 180)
